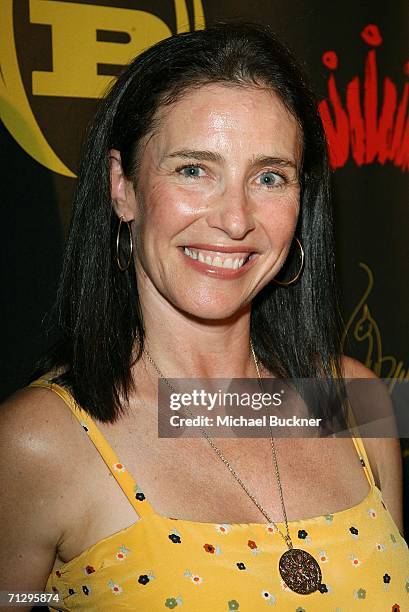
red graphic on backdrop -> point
(358, 128)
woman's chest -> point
(196, 480)
(186, 479)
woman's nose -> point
(232, 213)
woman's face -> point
(217, 199)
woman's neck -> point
(184, 346)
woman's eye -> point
(272, 179)
(190, 171)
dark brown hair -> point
(296, 329)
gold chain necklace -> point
(298, 569)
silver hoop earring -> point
(295, 278)
(120, 266)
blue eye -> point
(190, 171)
(272, 179)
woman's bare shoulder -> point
(38, 440)
(33, 406)
(36, 423)
(384, 453)
(352, 368)
(41, 441)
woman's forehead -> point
(220, 116)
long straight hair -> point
(295, 329)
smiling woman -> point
(227, 211)
(201, 246)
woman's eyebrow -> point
(260, 160)
(269, 160)
(199, 155)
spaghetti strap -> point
(358, 442)
(360, 447)
(125, 480)
(363, 458)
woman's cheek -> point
(281, 211)
(182, 205)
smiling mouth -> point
(218, 259)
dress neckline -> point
(373, 494)
(147, 513)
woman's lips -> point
(221, 248)
(222, 262)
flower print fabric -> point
(160, 563)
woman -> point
(205, 164)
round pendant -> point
(300, 571)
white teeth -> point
(217, 261)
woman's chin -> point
(212, 310)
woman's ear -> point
(122, 192)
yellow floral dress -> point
(160, 563)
